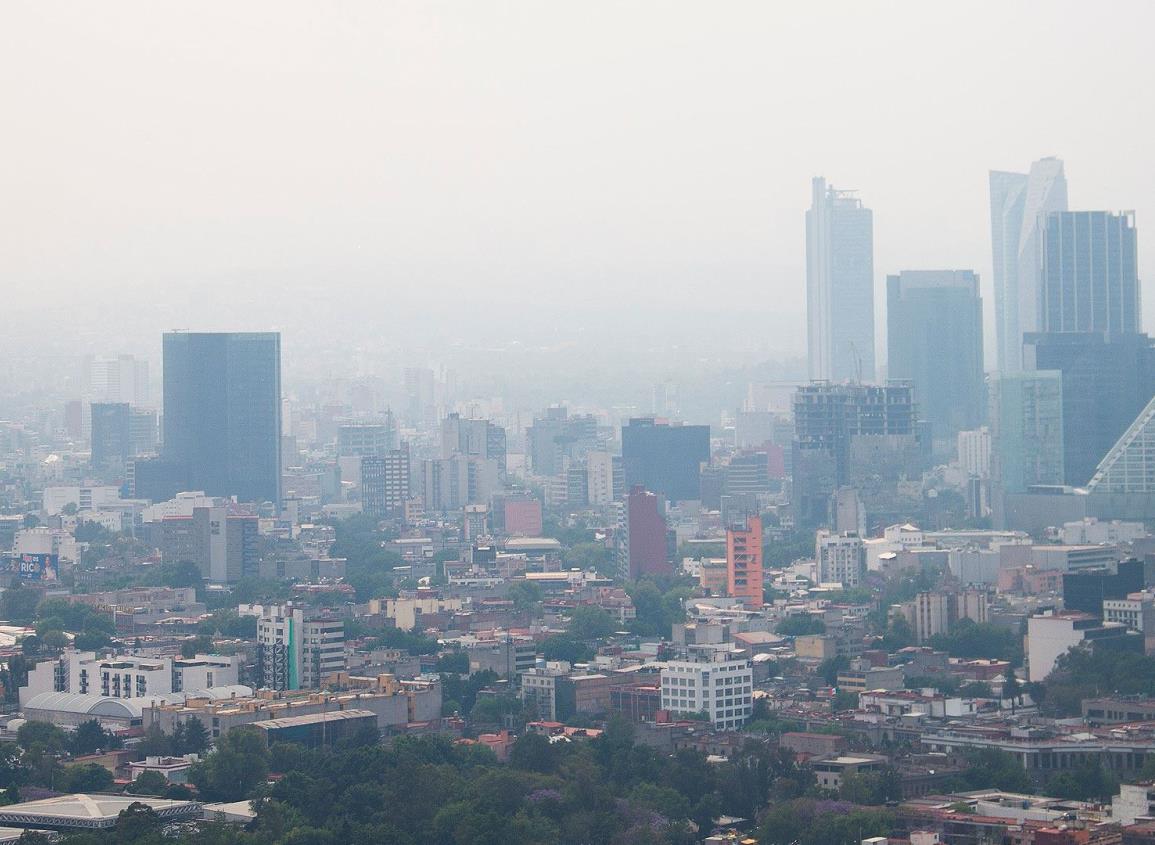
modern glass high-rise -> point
(1090, 273)
(1018, 201)
(839, 286)
(1107, 380)
(934, 324)
(1026, 413)
(222, 412)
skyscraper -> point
(1018, 201)
(1090, 273)
(222, 412)
(665, 458)
(934, 324)
(1026, 413)
(839, 285)
(842, 435)
(744, 562)
(111, 434)
(644, 548)
(1107, 380)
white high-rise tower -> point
(1019, 201)
(839, 286)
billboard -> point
(36, 567)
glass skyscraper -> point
(839, 286)
(1026, 413)
(1018, 201)
(1090, 273)
(934, 324)
(222, 412)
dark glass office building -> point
(1107, 381)
(935, 341)
(111, 434)
(1090, 273)
(664, 458)
(222, 412)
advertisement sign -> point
(36, 567)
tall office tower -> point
(845, 435)
(473, 438)
(935, 340)
(847, 513)
(144, 431)
(644, 549)
(599, 478)
(366, 439)
(1018, 203)
(665, 458)
(452, 483)
(420, 399)
(111, 434)
(1107, 380)
(120, 379)
(555, 437)
(974, 452)
(221, 540)
(839, 286)
(295, 651)
(744, 562)
(222, 412)
(840, 558)
(1090, 273)
(753, 429)
(385, 483)
(1026, 413)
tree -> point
(41, 735)
(797, 626)
(455, 661)
(231, 772)
(135, 822)
(18, 604)
(155, 743)
(87, 777)
(13, 772)
(194, 737)
(148, 783)
(589, 622)
(534, 753)
(1012, 689)
(200, 644)
(90, 738)
(526, 597)
(829, 668)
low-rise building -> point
(829, 772)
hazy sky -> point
(484, 157)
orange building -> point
(744, 562)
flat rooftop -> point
(89, 812)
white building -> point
(83, 673)
(298, 652)
(974, 452)
(181, 506)
(1137, 612)
(1051, 635)
(1091, 531)
(721, 687)
(599, 478)
(82, 498)
(841, 558)
(1018, 202)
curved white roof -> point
(86, 705)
